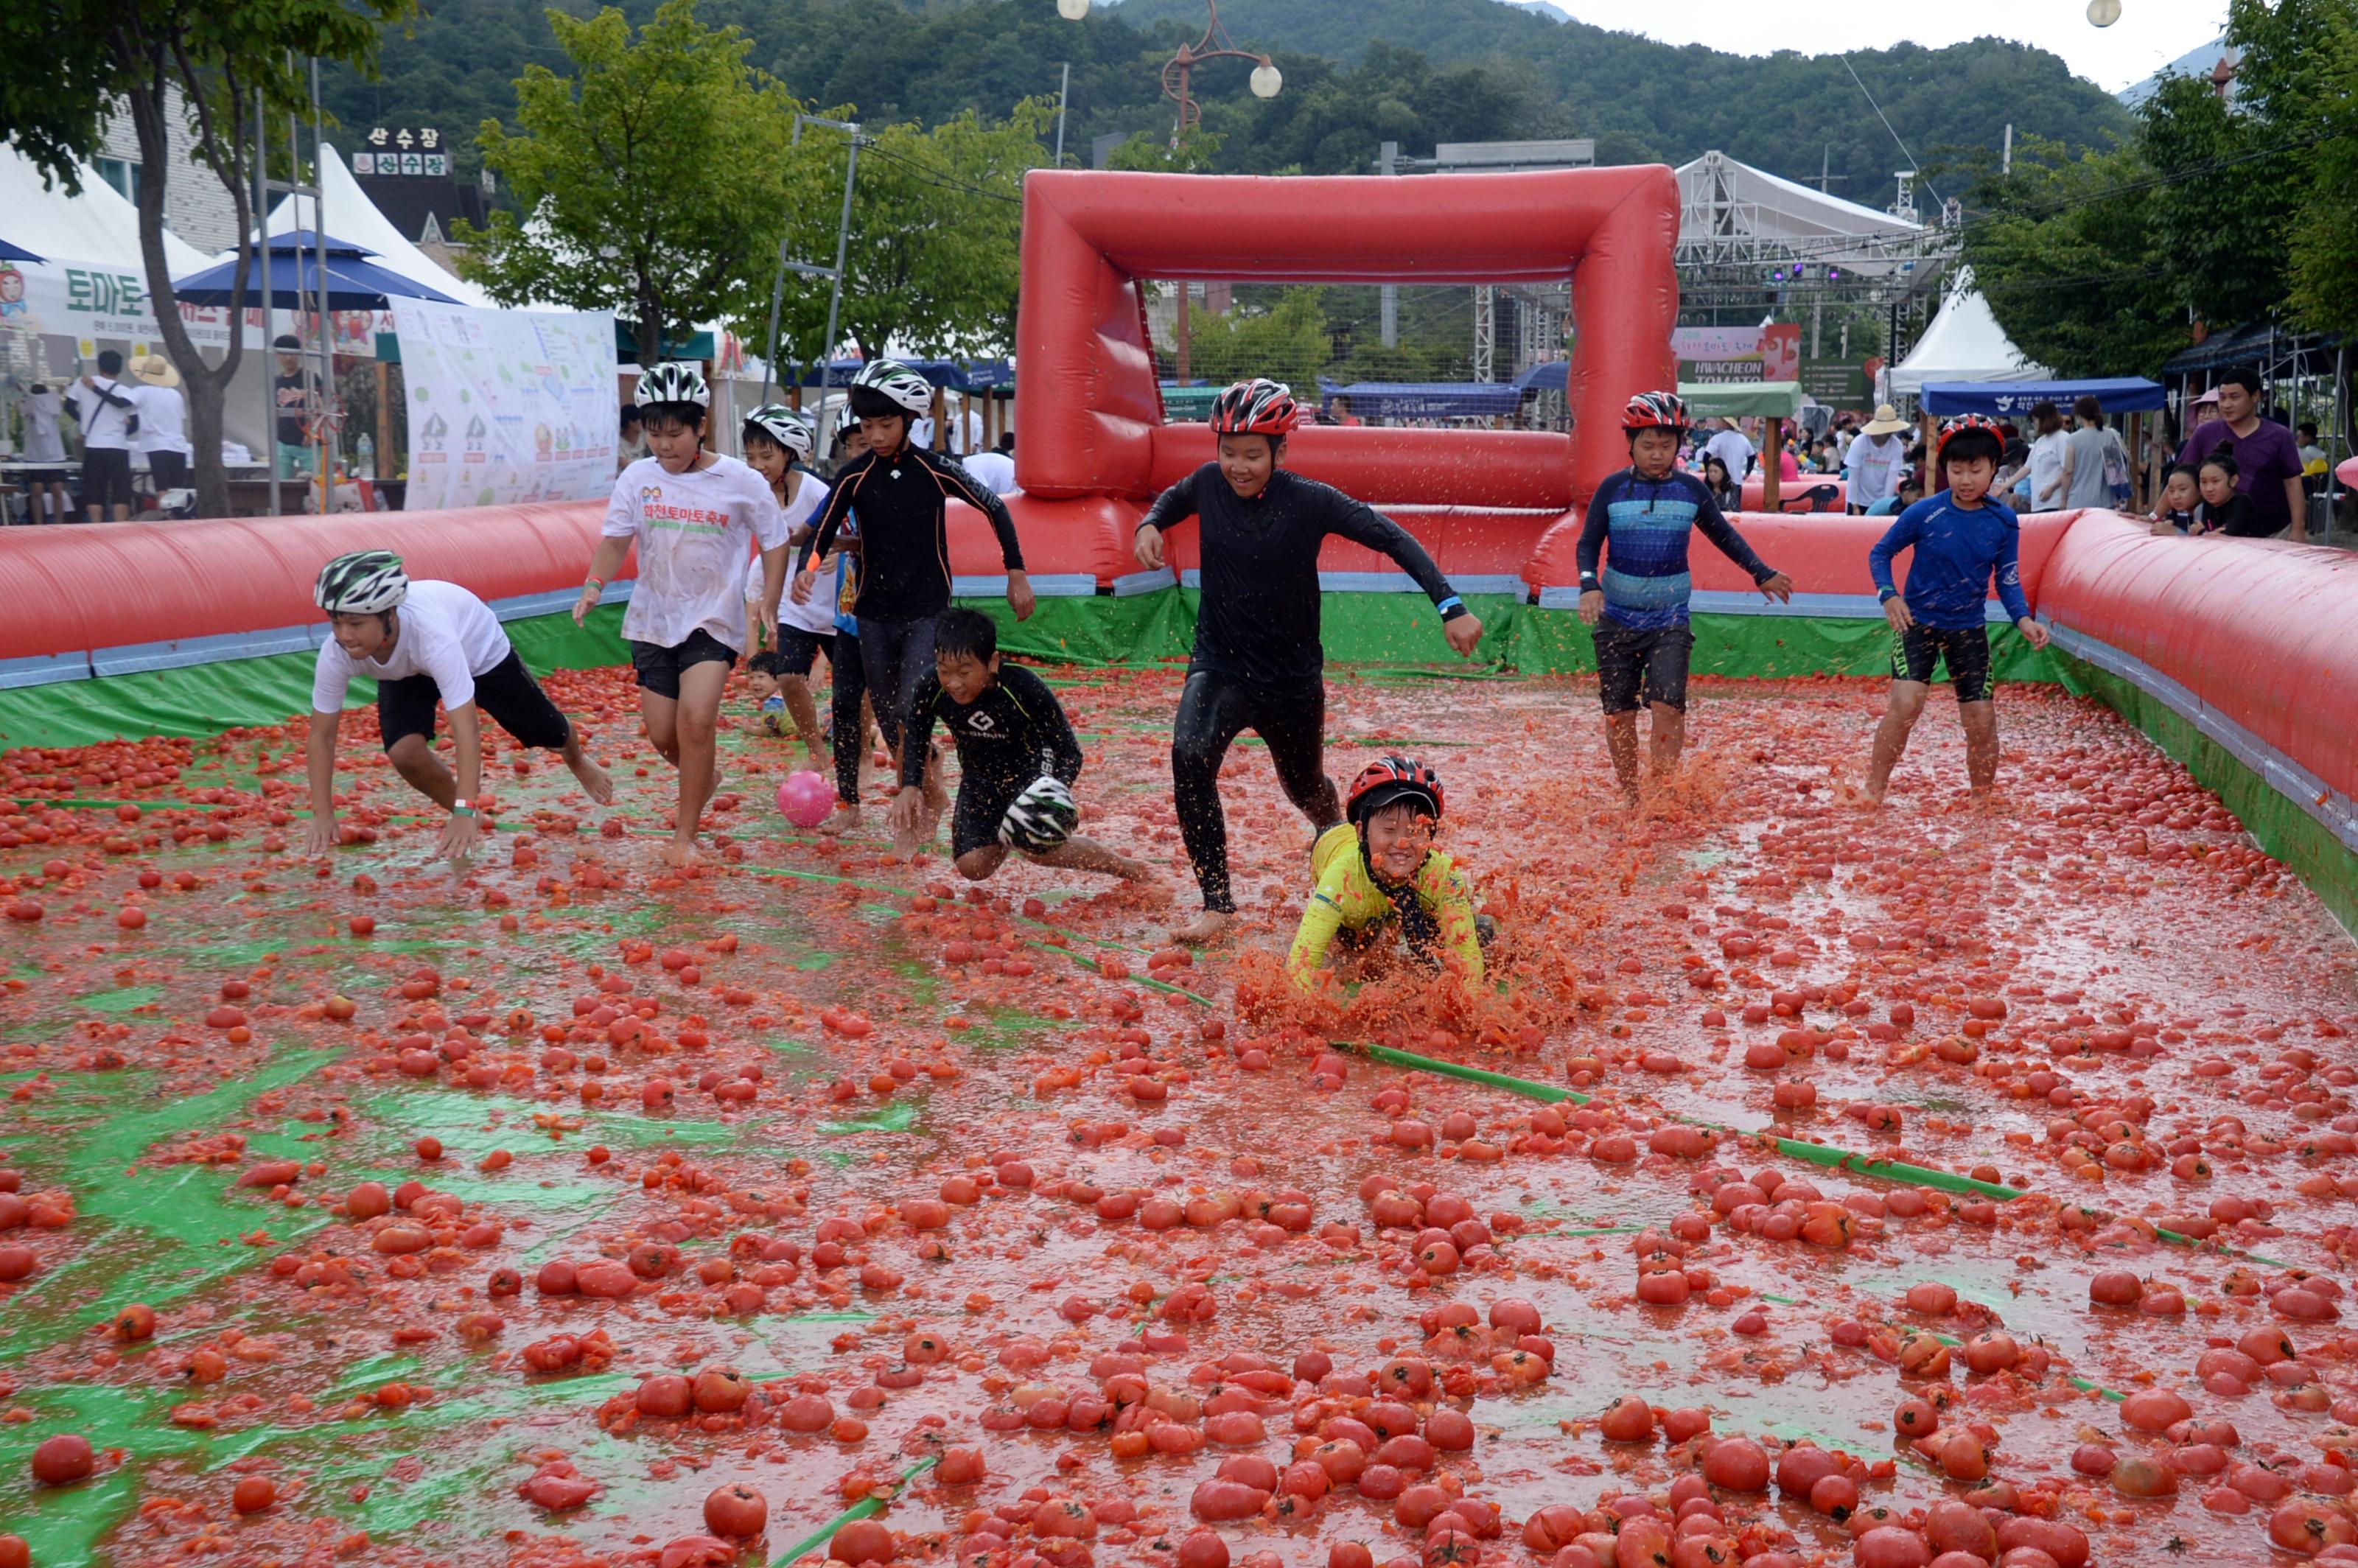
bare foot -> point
(682, 852)
(907, 845)
(843, 819)
(1131, 871)
(1206, 927)
(594, 782)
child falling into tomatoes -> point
(1379, 878)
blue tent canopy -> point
(2004, 399)
(1427, 399)
(15, 252)
(292, 266)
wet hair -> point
(2244, 376)
(691, 415)
(768, 662)
(2047, 417)
(2222, 458)
(109, 363)
(965, 633)
(2086, 407)
(1966, 445)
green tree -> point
(1286, 342)
(2322, 243)
(654, 181)
(64, 64)
(937, 229)
(2231, 192)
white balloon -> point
(1073, 10)
(1265, 79)
(2104, 13)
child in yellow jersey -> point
(1378, 867)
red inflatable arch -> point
(1092, 412)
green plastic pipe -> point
(866, 1507)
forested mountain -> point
(1357, 72)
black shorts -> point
(1636, 668)
(506, 691)
(168, 471)
(982, 803)
(106, 477)
(1965, 649)
(659, 668)
(798, 650)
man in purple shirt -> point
(2266, 455)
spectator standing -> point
(2047, 458)
(2089, 454)
(1733, 447)
(47, 500)
(2313, 461)
(631, 439)
(163, 423)
(1877, 459)
(293, 393)
(108, 412)
(2267, 460)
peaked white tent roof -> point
(1730, 211)
(1965, 342)
(99, 225)
(352, 217)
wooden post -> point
(2136, 463)
(1934, 479)
(1772, 464)
(794, 398)
(941, 434)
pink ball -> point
(804, 799)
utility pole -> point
(1064, 89)
(1388, 163)
(851, 128)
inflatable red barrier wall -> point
(73, 590)
(1826, 552)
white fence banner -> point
(507, 405)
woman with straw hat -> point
(1873, 464)
(163, 423)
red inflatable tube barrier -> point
(1811, 492)
(73, 590)
(2258, 629)
(1520, 469)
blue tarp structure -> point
(954, 376)
(15, 252)
(1426, 399)
(293, 270)
(2007, 399)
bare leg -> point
(1087, 855)
(976, 864)
(412, 758)
(1980, 720)
(593, 779)
(1668, 739)
(660, 715)
(695, 723)
(1891, 736)
(796, 690)
(1205, 927)
(1621, 742)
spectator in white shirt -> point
(163, 423)
(1731, 447)
(1878, 459)
(45, 497)
(997, 469)
(108, 412)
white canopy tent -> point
(99, 226)
(353, 218)
(1965, 342)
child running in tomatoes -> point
(1377, 874)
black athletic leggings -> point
(1214, 710)
(849, 733)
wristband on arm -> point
(1451, 608)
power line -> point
(1886, 125)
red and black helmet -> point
(1655, 411)
(1255, 407)
(1390, 780)
(1966, 424)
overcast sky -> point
(2149, 34)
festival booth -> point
(1775, 402)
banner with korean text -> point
(507, 405)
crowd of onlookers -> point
(2239, 472)
(123, 412)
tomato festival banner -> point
(507, 405)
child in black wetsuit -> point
(1017, 759)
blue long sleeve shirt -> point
(1640, 527)
(1957, 551)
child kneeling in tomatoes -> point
(1377, 867)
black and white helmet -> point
(674, 381)
(364, 582)
(1043, 817)
(887, 387)
(783, 426)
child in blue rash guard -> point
(1638, 605)
(1961, 539)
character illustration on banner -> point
(11, 292)
(544, 444)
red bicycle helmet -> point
(1964, 423)
(1255, 407)
(1393, 779)
(1655, 411)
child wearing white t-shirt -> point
(774, 441)
(695, 516)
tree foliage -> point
(1288, 341)
(654, 181)
(66, 64)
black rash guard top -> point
(1258, 622)
(1014, 732)
(904, 506)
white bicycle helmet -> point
(783, 426)
(887, 387)
(674, 381)
(1043, 817)
(363, 582)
